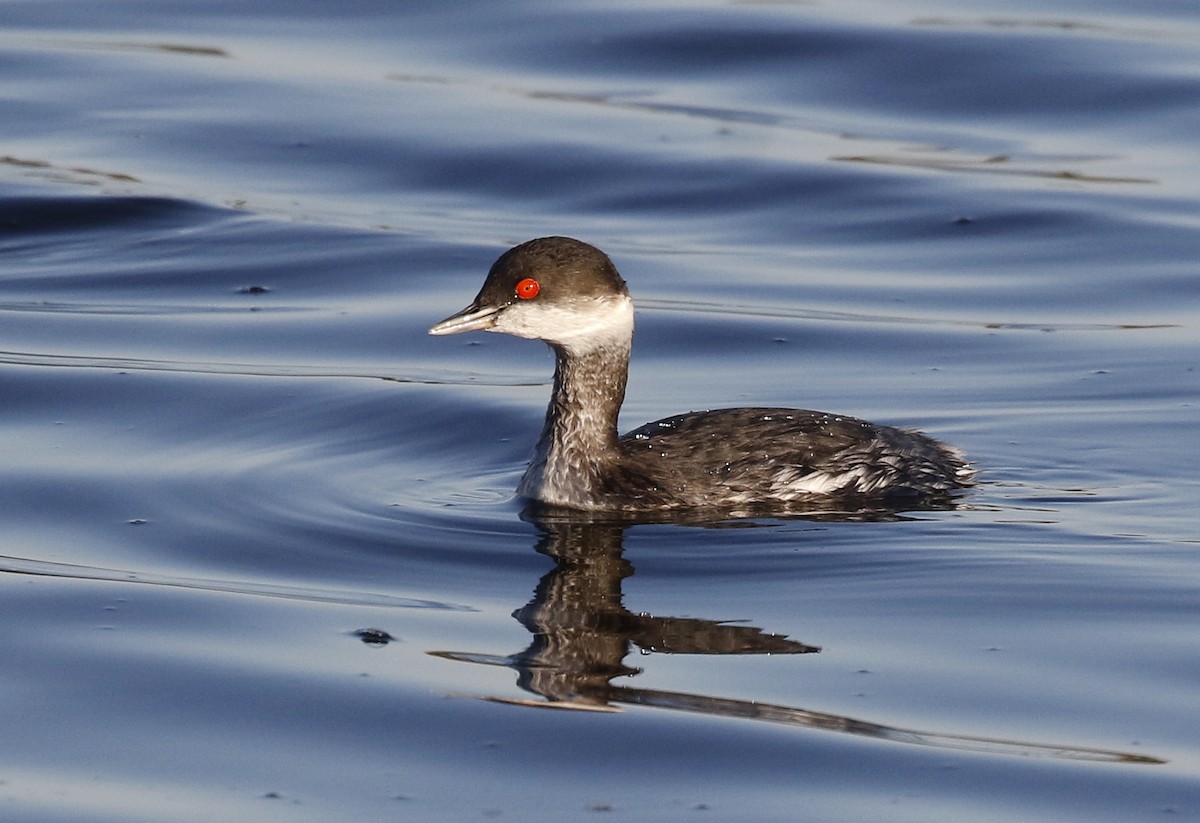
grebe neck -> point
(579, 438)
(588, 391)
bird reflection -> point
(582, 634)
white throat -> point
(580, 327)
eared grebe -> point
(570, 295)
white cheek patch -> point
(579, 325)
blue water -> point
(261, 553)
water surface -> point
(262, 556)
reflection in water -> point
(582, 634)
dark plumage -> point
(570, 295)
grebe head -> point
(555, 289)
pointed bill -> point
(473, 318)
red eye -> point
(528, 288)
